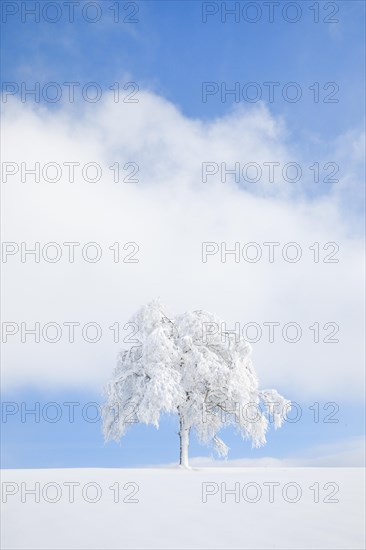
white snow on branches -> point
(186, 365)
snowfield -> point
(170, 508)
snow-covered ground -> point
(284, 508)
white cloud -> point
(169, 213)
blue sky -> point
(170, 52)
(42, 443)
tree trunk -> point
(184, 443)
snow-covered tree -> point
(189, 366)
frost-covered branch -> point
(209, 382)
